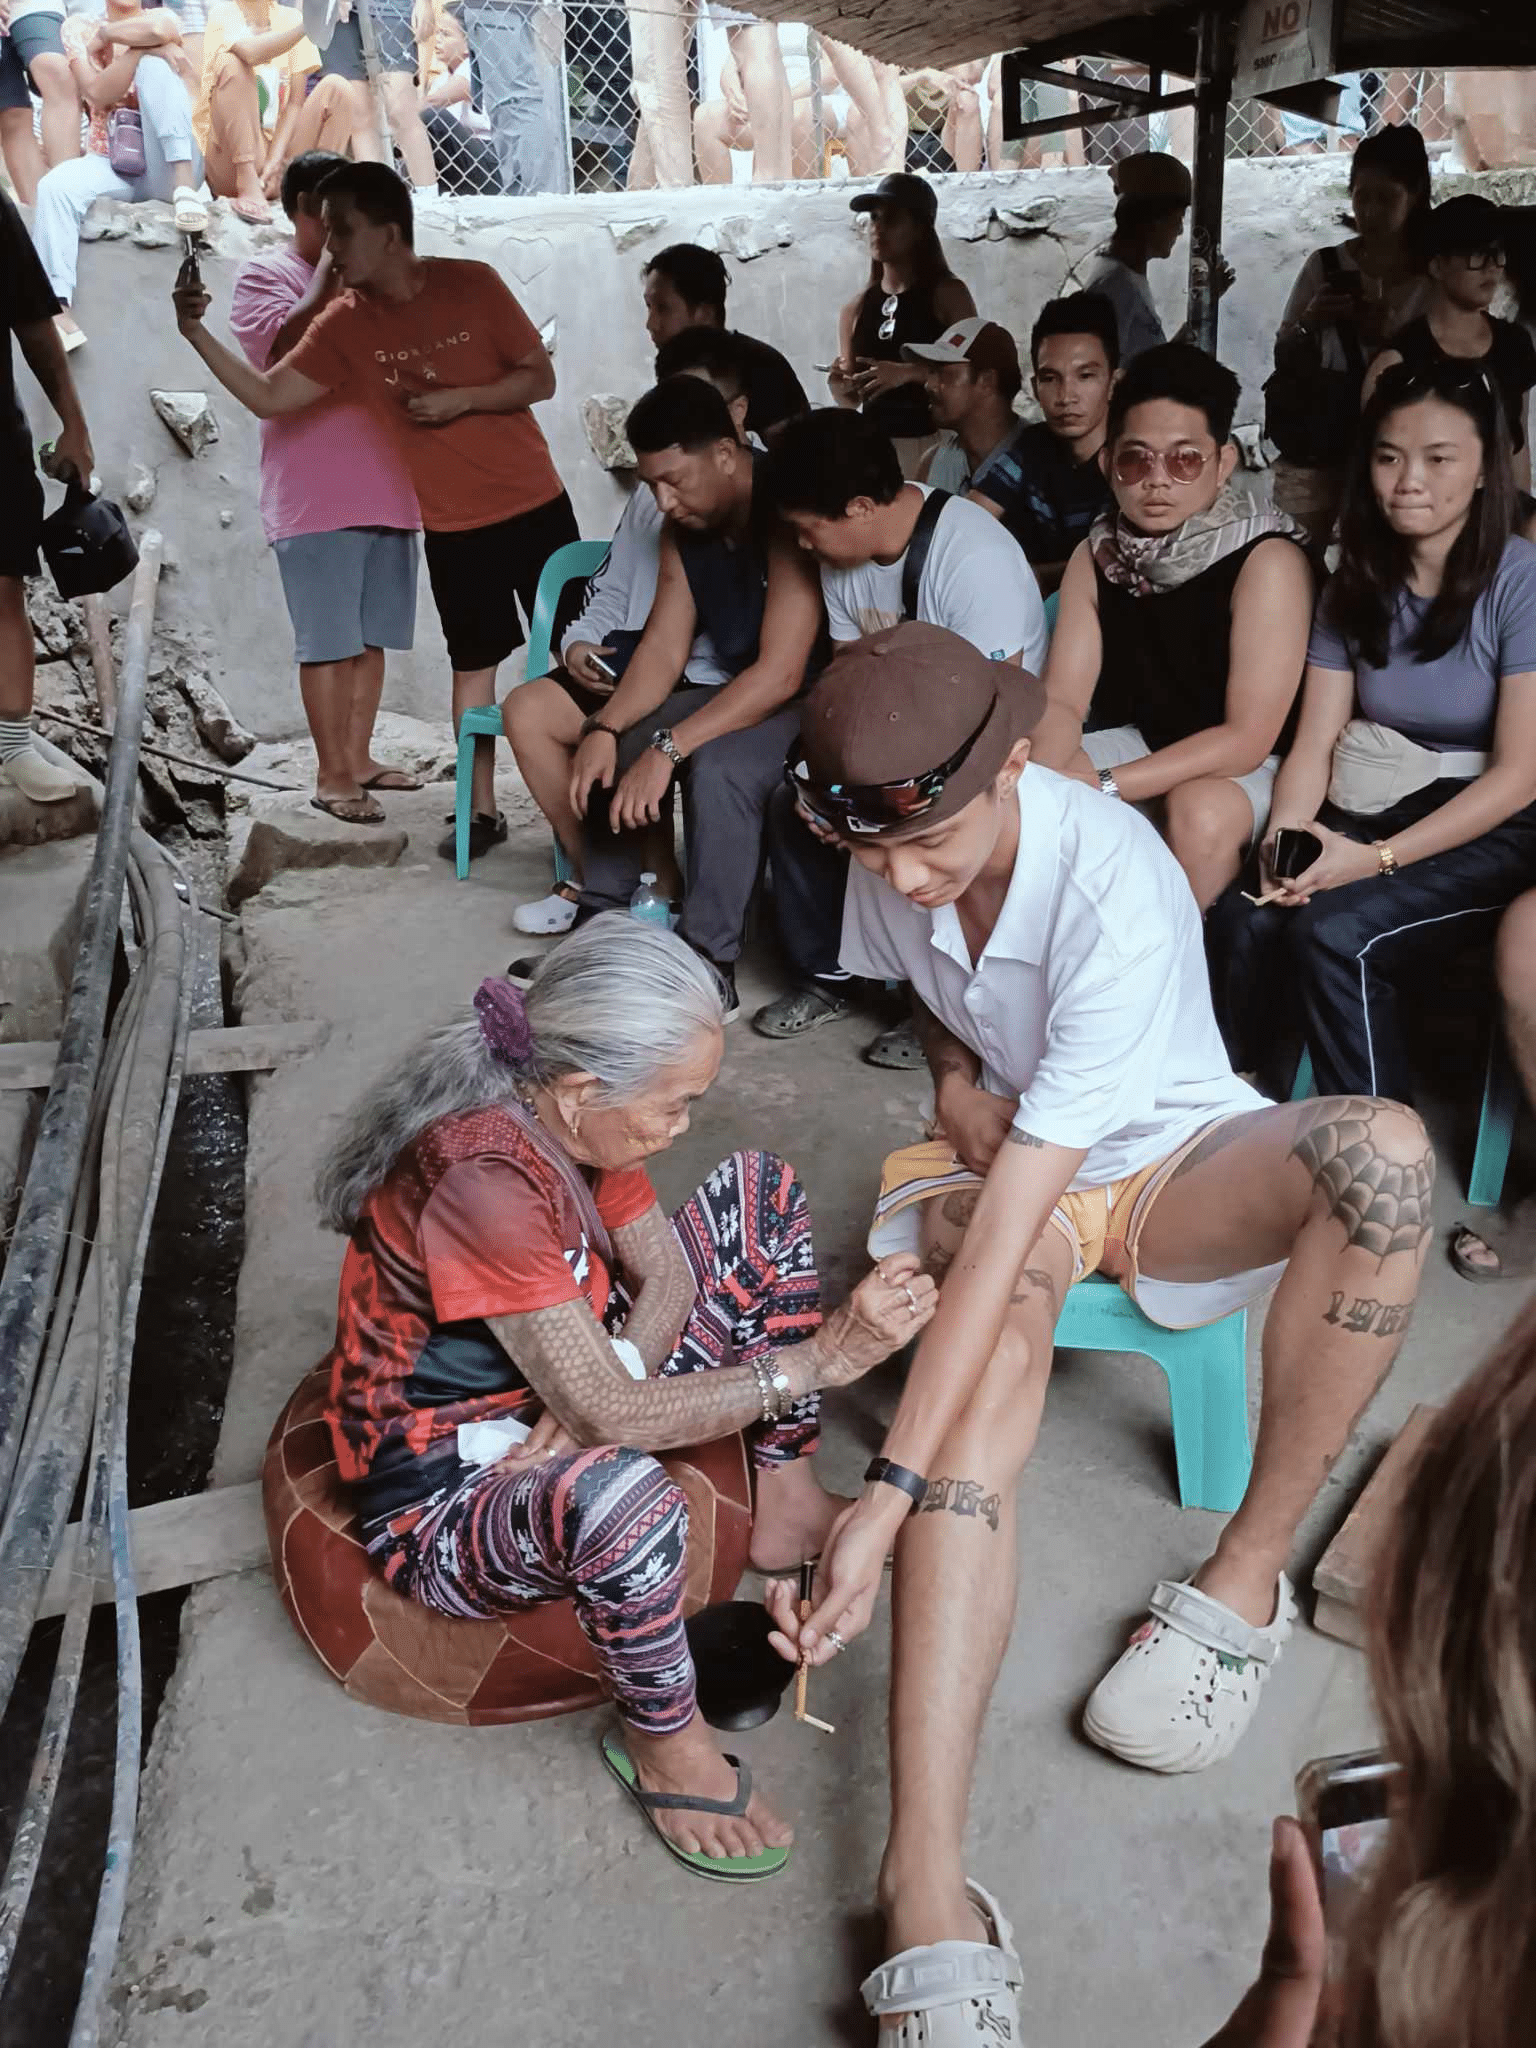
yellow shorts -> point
(1094, 1221)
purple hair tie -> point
(504, 1020)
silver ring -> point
(836, 1641)
(911, 1299)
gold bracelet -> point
(1385, 856)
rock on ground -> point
(286, 840)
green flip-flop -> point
(723, 1869)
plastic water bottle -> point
(649, 906)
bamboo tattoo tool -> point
(803, 1670)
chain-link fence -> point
(522, 97)
(1369, 100)
(615, 95)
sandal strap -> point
(1192, 1613)
(689, 1802)
(945, 1974)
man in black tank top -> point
(1182, 631)
(729, 572)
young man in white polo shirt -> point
(1090, 1121)
(888, 550)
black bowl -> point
(741, 1676)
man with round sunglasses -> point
(1182, 631)
(1088, 1121)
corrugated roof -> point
(1440, 33)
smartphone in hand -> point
(1293, 852)
(1342, 1802)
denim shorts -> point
(392, 34)
(348, 590)
(35, 35)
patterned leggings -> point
(607, 1527)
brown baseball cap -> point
(896, 705)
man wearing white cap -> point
(973, 377)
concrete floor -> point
(314, 1874)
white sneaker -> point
(38, 778)
(190, 213)
(1183, 1693)
(551, 915)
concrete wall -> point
(578, 261)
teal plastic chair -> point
(1207, 1374)
(577, 558)
(1052, 607)
(1495, 1120)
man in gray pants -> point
(756, 595)
(515, 45)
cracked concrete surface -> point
(315, 1874)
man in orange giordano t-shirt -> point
(451, 363)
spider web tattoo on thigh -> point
(1383, 1202)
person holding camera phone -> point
(1414, 765)
(543, 718)
(1439, 1949)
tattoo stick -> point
(803, 1670)
(803, 1674)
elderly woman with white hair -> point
(511, 1271)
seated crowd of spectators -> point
(1346, 664)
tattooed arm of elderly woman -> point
(566, 1357)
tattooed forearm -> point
(570, 1364)
(1382, 1201)
(962, 1497)
(1367, 1318)
(652, 1261)
(944, 1053)
(1018, 1137)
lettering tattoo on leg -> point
(1367, 1318)
(962, 1497)
(1383, 1204)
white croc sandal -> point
(954, 1994)
(1183, 1693)
(550, 916)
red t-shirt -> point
(463, 327)
(472, 1222)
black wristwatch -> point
(912, 1484)
(594, 723)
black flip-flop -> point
(724, 1869)
(1478, 1275)
(335, 807)
(392, 778)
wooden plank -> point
(1344, 1571)
(229, 1049)
(1335, 1618)
(176, 1543)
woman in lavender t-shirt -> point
(1423, 664)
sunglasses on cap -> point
(1404, 381)
(863, 809)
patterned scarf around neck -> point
(1145, 563)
